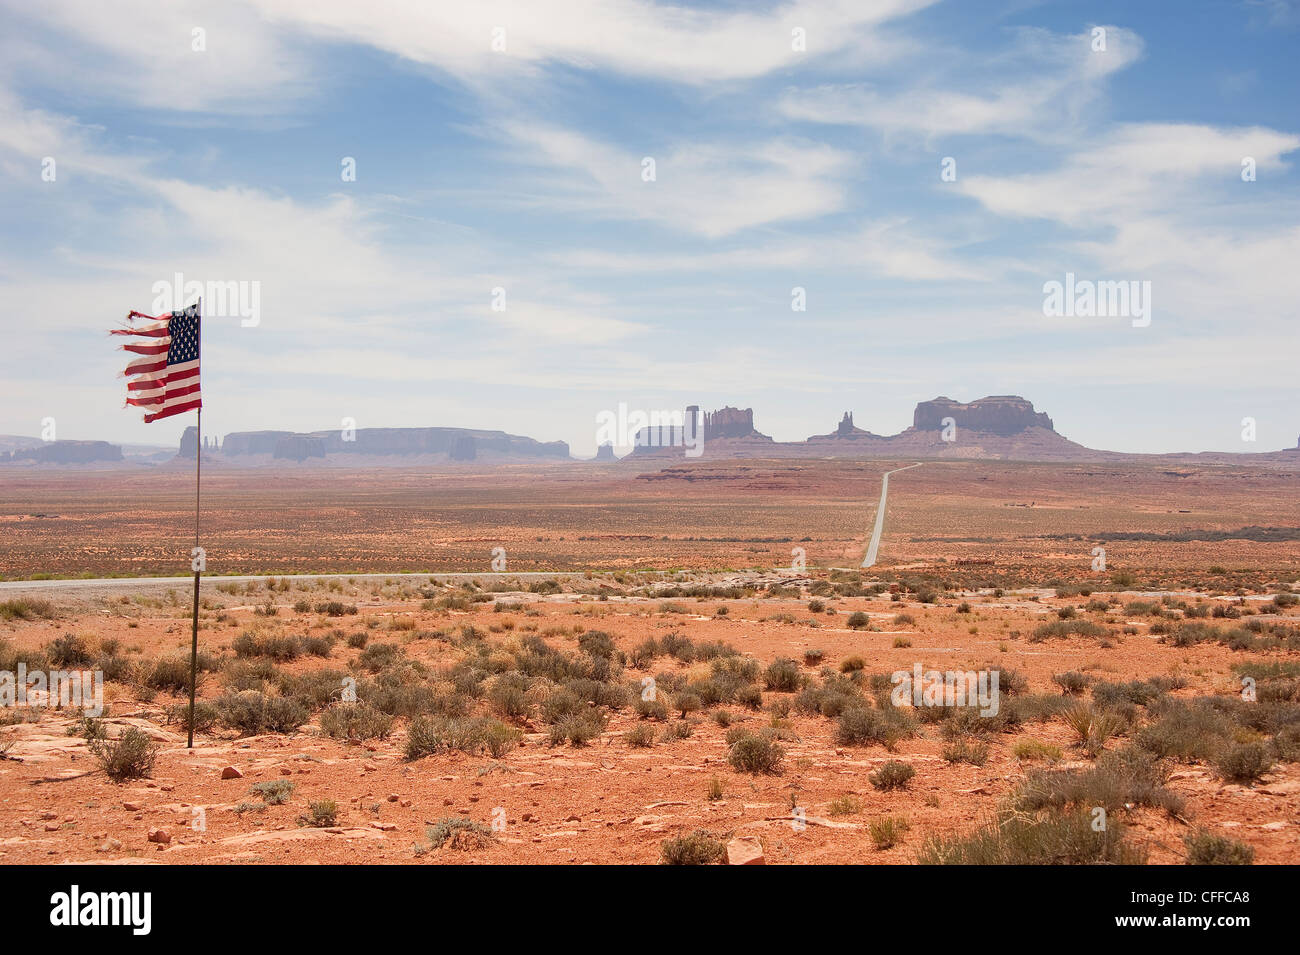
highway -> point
(874, 546)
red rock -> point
(161, 836)
(745, 850)
(230, 772)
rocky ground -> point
(609, 801)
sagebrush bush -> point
(1243, 762)
(782, 675)
(322, 814)
(274, 792)
(129, 756)
(1047, 839)
(252, 713)
(1206, 848)
(893, 774)
(355, 722)
(695, 848)
(457, 832)
(754, 753)
(887, 831)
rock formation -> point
(997, 414)
(69, 452)
(460, 444)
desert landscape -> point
(681, 662)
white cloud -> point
(142, 52)
(1038, 89)
(633, 37)
(710, 190)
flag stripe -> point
(165, 381)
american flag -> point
(165, 379)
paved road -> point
(88, 583)
(874, 546)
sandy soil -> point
(601, 803)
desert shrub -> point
(498, 738)
(559, 704)
(1121, 778)
(169, 674)
(456, 832)
(335, 608)
(27, 608)
(640, 736)
(887, 831)
(844, 806)
(686, 703)
(1206, 848)
(904, 620)
(829, 700)
(860, 726)
(578, 729)
(1243, 762)
(274, 792)
(962, 751)
(510, 698)
(643, 655)
(893, 774)
(425, 737)
(781, 674)
(1286, 743)
(754, 753)
(277, 647)
(655, 709)
(68, 651)
(318, 646)
(852, 664)
(679, 729)
(814, 656)
(252, 712)
(858, 620)
(322, 814)
(1092, 726)
(129, 756)
(1030, 750)
(379, 656)
(316, 688)
(358, 640)
(248, 674)
(816, 606)
(355, 722)
(695, 848)
(1139, 692)
(1186, 732)
(1072, 681)
(1067, 628)
(428, 735)
(1046, 839)
(1282, 601)
(750, 696)
(206, 715)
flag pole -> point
(194, 633)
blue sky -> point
(775, 168)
